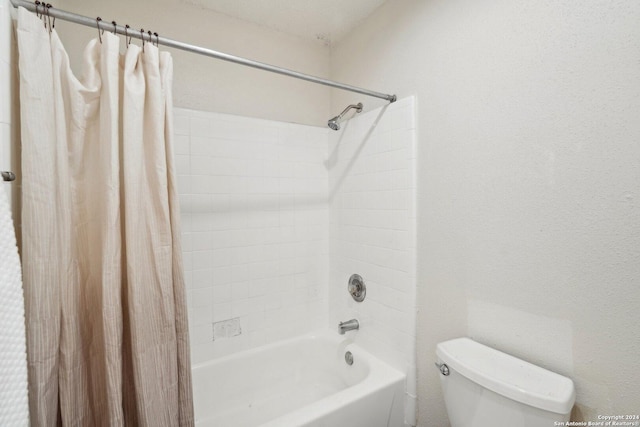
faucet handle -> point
(357, 288)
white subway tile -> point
(181, 124)
(221, 276)
(223, 129)
(202, 297)
(202, 278)
(199, 127)
(201, 314)
(201, 165)
(221, 293)
(183, 164)
(201, 146)
(241, 307)
(200, 334)
(222, 311)
(240, 273)
(259, 216)
(255, 321)
(201, 241)
(239, 290)
(202, 259)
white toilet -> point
(484, 387)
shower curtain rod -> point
(148, 37)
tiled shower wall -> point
(255, 229)
(373, 232)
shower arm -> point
(357, 106)
(127, 32)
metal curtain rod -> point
(130, 32)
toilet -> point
(484, 387)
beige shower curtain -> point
(105, 304)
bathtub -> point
(303, 381)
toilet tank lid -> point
(508, 376)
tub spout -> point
(349, 325)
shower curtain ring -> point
(51, 26)
(98, 20)
(142, 37)
(127, 37)
(40, 13)
(43, 14)
(157, 39)
(114, 27)
(47, 7)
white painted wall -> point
(372, 213)
(528, 180)
(255, 222)
(208, 84)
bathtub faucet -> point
(349, 325)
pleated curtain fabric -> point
(107, 334)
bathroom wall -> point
(9, 151)
(527, 180)
(372, 213)
(255, 223)
(209, 84)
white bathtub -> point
(303, 381)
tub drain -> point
(348, 357)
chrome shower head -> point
(334, 123)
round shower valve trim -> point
(357, 288)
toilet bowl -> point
(484, 387)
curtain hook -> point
(127, 38)
(150, 37)
(98, 20)
(48, 7)
(142, 38)
(43, 14)
(51, 26)
(157, 39)
(40, 13)
(114, 27)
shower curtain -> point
(107, 334)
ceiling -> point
(324, 20)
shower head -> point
(334, 123)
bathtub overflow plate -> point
(356, 287)
(348, 357)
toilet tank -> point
(488, 388)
